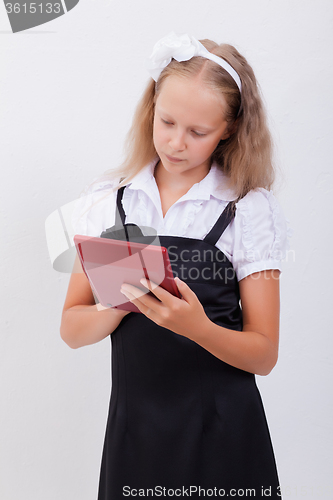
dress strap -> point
(120, 213)
(221, 224)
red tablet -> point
(109, 263)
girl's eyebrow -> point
(200, 127)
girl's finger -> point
(163, 295)
(185, 290)
(136, 295)
(143, 305)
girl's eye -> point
(193, 131)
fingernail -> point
(144, 282)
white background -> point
(68, 91)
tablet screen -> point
(110, 263)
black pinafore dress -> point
(181, 421)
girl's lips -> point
(173, 159)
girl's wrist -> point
(200, 332)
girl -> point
(186, 418)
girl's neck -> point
(173, 186)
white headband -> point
(183, 48)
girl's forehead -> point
(192, 96)
(181, 84)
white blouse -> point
(257, 238)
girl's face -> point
(188, 125)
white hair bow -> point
(182, 48)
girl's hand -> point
(183, 316)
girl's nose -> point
(177, 141)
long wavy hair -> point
(246, 156)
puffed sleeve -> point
(94, 210)
(261, 234)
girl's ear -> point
(226, 134)
(230, 130)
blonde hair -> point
(246, 156)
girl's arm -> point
(83, 322)
(255, 349)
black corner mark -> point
(24, 14)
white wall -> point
(68, 90)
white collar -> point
(215, 184)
